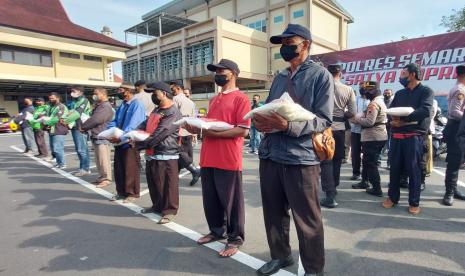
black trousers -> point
(223, 203)
(356, 152)
(406, 154)
(454, 156)
(163, 183)
(39, 137)
(127, 171)
(293, 187)
(186, 152)
(331, 169)
(371, 152)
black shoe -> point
(361, 185)
(274, 266)
(459, 195)
(314, 274)
(422, 187)
(328, 202)
(448, 199)
(374, 192)
(355, 177)
(195, 174)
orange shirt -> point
(226, 153)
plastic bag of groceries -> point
(204, 123)
(113, 132)
(71, 117)
(400, 111)
(285, 107)
(137, 135)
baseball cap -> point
(290, 31)
(224, 64)
(159, 85)
(139, 83)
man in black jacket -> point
(101, 115)
(407, 136)
(162, 153)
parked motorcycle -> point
(439, 143)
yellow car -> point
(6, 122)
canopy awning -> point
(160, 24)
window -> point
(298, 13)
(278, 19)
(25, 56)
(277, 55)
(70, 55)
(93, 58)
(258, 25)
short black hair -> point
(256, 95)
(460, 70)
(55, 94)
(414, 68)
(139, 83)
(78, 87)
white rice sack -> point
(400, 111)
(204, 123)
(29, 116)
(285, 107)
(137, 135)
(43, 119)
(84, 117)
(113, 132)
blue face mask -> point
(404, 81)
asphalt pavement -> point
(55, 223)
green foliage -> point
(454, 22)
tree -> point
(454, 22)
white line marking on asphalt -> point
(144, 192)
(300, 270)
(181, 175)
(460, 183)
(184, 231)
(71, 153)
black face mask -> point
(120, 96)
(288, 52)
(155, 100)
(221, 80)
(387, 97)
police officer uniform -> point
(456, 105)
(344, 108)
(374, 135)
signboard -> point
(438, 56)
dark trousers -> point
(294, 187)
(223, 198)
(331, 169)
(39, 137)
(406, 155)
(356, 152)
(163, 184)
(186, 152)
(127, 171)
(371, 152)
(453, 158)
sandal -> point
(165, 220)
(231, 248)
(117, 197)
(209, 238)
(129, 199)
(147, 210)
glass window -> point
(25, 56)
(6, 56)
(278, 19)
(298, 13)
(46, 60)
(70, 55)
(93, 58)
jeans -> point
(255, 138)
(28, 137)
(82, 149)
(57, 145)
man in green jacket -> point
(79, 106)
(41, 110)
(57, 129)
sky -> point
(375, 22)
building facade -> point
(176, 41)
(42, 51)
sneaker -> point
(372, 191)
(252, 152)
(61, 167)
(356, 177)
(117, 197)
(49, 159)
(387, 203)
(29, 152)
(81, 173)
(414, 210)
(361, 185)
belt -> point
(404, 135)
(376, 124)
(339, 119)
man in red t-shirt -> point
(221, 161)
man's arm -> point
(322, 107)
(163, 130)
(98, 118)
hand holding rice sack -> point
(203, 124)
(400, 111)
(137, 135)
(285, 107)
(110, 133)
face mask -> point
(288, 52)
(221, 80)
(53, 102)
(387, 97)
(120, 96)
(155, 100)
(95, 98)
(404, 81)
(75, 95)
